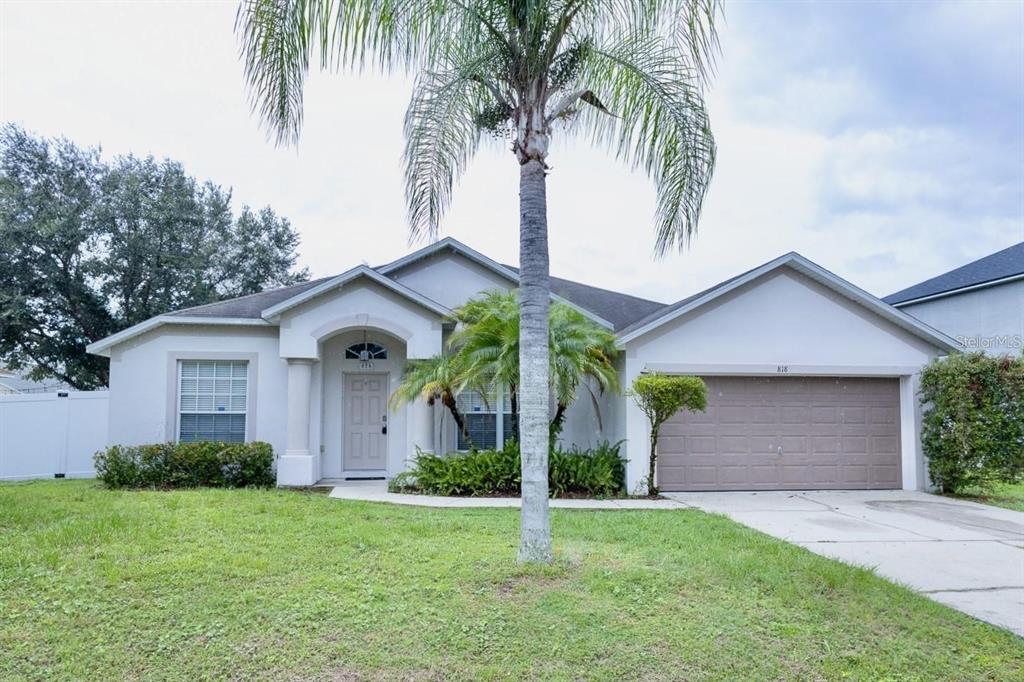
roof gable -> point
(1000, 266)
(509, 273)
(805, 267)
(357, 272)
(251, 306)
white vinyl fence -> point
(48, 435)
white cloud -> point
(807, 160)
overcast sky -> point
(883, 140)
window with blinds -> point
(212, 400)
(481, 414)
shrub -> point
(973, 427)
(599, 472)
(660, 396)
(186, 465)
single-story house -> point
(14, 383)
(812, 381)
(980, 304)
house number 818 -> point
(782, 369)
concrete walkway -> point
(968, 556)
(377, 491)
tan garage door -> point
(785, 433)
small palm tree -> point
(627, 73)
(440, 378)
(487, 343)
(581, 351)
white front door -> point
(365, 440)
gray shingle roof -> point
(619, 309)
(665, 309)
(250, 306)
(999, 265)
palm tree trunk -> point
(534, 293)
(449, 401)
(514, 406)
(557, 423)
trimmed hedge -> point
(600, 472)
(973, 428)
(187, 465)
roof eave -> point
(959, 290)
(103, 346)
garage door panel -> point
(676, 443)
(855, 444)
(824, 415)
(733, 444)
(855, 475)
(764, 414)
(794, 444)
(764, 476)
(853, 415)
(885, 445)
(680, 429)
(883, 415)
(886, 476)
(699, 444)
(824, 444)
(763, 433)
(795, 414)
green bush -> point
(600, 472)
(659, 397)
(973, 428)
(186, 465)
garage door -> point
(785, 433)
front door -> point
(365, 440)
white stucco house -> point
(980, 304)
(811, 380)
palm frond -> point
(441, 135)
(660, 124)
(275, 37)
(278, 38)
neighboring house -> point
(12, 383)
(980, 304)
(812, 381)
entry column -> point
(422, 427)
(298, 466)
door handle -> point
(384, 429)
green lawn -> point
(1009, 495)
(273, 584)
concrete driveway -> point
(968, 556)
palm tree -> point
(488, 344)
(441, 377)
(579, 350)
(629, 73)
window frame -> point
(172, 426)
(381, 353)
(502, 406)
(230, 395)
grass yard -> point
(1009, 495)
(203, 584)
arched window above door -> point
(367, 350)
